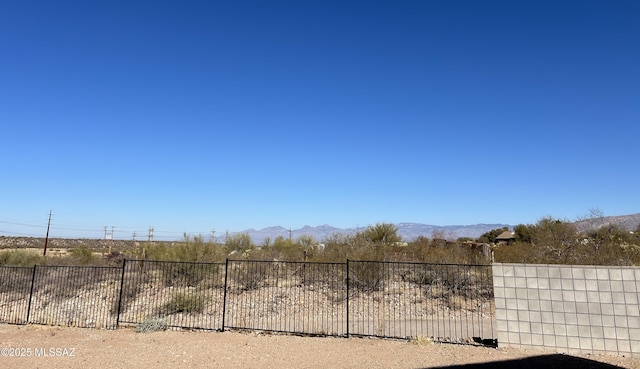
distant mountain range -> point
(411, 231)
(627, 222)
(408, 231)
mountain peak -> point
(407, 230)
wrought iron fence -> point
(399, 300)
(186, 295)
(365, 298)
(291, 297)
(15, 290)
(79, 296)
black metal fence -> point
(446, 302)
(15, 292)
(186, 295)
(363, 298)
(289, 297)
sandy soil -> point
(90, 348)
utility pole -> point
(150, 238)
(46, 239)
(105, 232)
(111, 242)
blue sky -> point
(197, 115)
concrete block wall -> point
(572, 309)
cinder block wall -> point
(573, 309)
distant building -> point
(506, 237)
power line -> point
(21, 234)
(21, 224)
(13, 229)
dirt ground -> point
(55, 347)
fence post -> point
(347, 298)
(124, 263)
(224, 294)
(33, 278)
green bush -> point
(556, 242)
(83, 255)
(20, 258)
(191, 249)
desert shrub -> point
(608, 245)
(196, 250)
(249, 276)
(450, 283)
(366, 276)
(420, 275)
(240, 243)
(114, 258)
(187, 274)
(185, 303)
(190, 249)
(553, 241)
(359, 246)
(20, 258)
(421, 340)
(281, 249)
(83, 255)
(519, 252)
(335, 249)
(454, 281)
(151, 324)
(382, 233)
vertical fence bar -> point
(33, 278)
(348, 291)
(124, 263)
(224, 293)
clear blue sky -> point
(193, 115)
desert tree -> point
(382, 233)
(555, 240)
(308, 245)
(523, 232)
(239, 242)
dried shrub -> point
(184, 303)
(151, 324)
(186, 274)
(420, 275)
(366, 276)
(249, 276)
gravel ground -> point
(90, 348)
